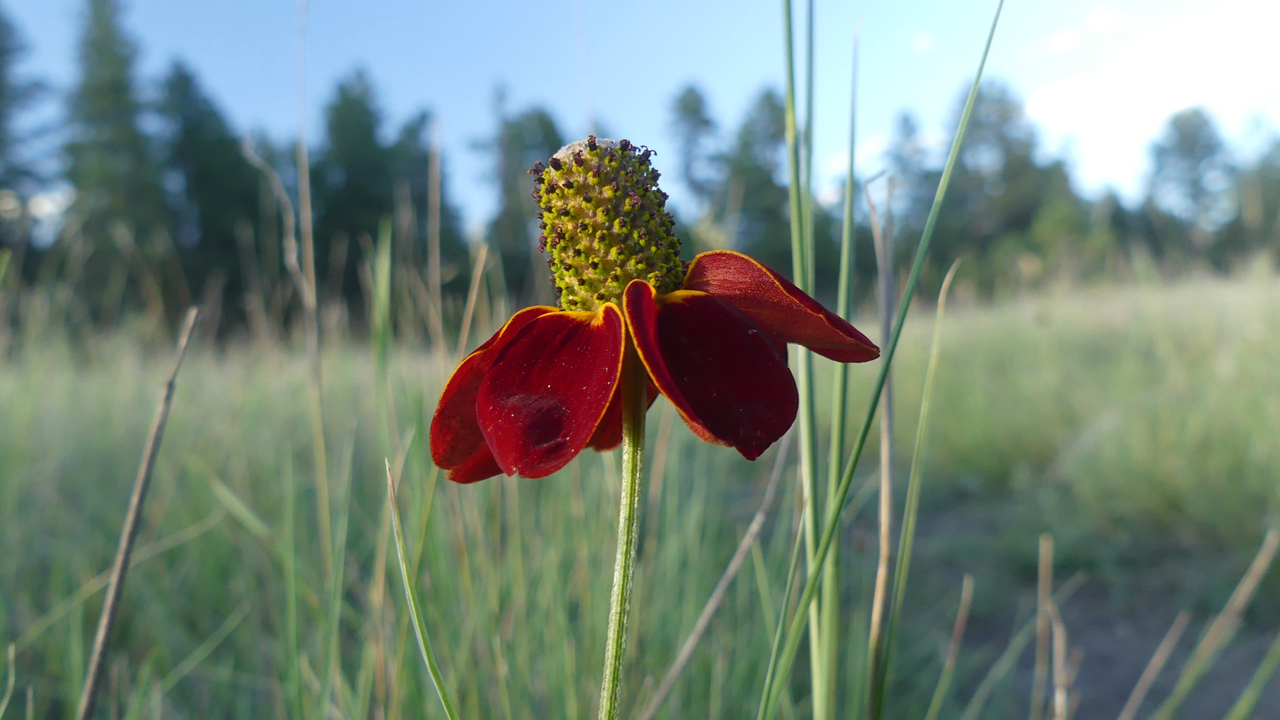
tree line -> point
(167, 209)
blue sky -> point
(1099, 78)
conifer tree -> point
(16, 95)
(351, 184)
(111, 168)
(521, 141)
(410, 163)
(214, 191)
(17, 175)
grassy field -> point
(1136, 424)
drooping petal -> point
(548, 389)
(726, 378)
(778, 307)
(457, 445)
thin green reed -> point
(1244, 705)
(831, 600)
(782, 620)
(835, 504)
(8, 690)
(806, 195)
(415, 607)
(801, 251)
(290, 556)
(380, 318)
(333, 635)
(881, 674)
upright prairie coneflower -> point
(633, 321)
(711, 336)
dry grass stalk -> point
(132, 521)
(722, 587)
(302, 269)
(433, 235)
(473, 292)
(255, 301)
(1222, 629)
(1044, 592)
(8, 691)
(657, 476)
(953, 649)
(1062, 673)
(884, 261)
(1158, 660)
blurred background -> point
(1108, 134)
(1108, 368)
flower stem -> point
(634, 383)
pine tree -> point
(1193, 182)
(218, 192)
(1015, 215)
(694, 129)
(115, 177)
(17, 175)
(16, 95)
(410, 158)
(521, 141)
(351, 185)
(753, 201)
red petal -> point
(779, 308)
(724, 376)
(548, 389)
(457, 445)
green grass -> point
(1137, 424)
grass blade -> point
(1243, 707)
(801, 262)
(769, 700)
(203, 650)
(1012, 652)
(241, 512)
(835, 504)
(4, 263)
(333, 660)
(291, 593)
(831, 597)
(129, 533)
(1221, 630)
(13, 670)
(381, 310)
(767, 610)
(912, 508)
(92, 587)
(953, 651)
(1040, 676)
(884, 311)
(722, 586)
(415, 609)
(1154, 666)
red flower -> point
(546, 386)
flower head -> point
(604, 223)
(711, 335)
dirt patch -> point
(1117, 618)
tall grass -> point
(514, 571)
(241, 606)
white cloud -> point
(922, 42)
(51, 204)
(1218, 55)
(1063, 41)
(871, 151)
(1101, 19)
